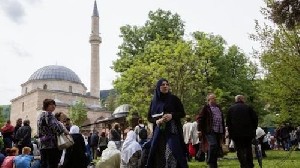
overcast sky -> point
(36, 33)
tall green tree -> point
(193, 67)
(78, 113)
(280, 57)
(161, 24)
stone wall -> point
(29, 106)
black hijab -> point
(159, 99)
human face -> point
(62, 117)
(212, 99)
(51, 107)
(164, 87)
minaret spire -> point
(95, 41)
(95, 11)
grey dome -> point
(121, 111)
(55, 72)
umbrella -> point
(258, 152)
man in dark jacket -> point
(94, 144)
(211, 126)
(23, 136)
(242, 123)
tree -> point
(284, 12)
(280, 58)
(2, 118)
(161, 24)
(193, 67)
(110, 102)
(78, 113)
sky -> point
(37, 33)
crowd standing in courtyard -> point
(164, 143)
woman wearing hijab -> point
(75, 155)
(131, 151)
(110, 157)
(167, 145)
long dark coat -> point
(75, 155)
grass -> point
(274, 159)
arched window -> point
(22, 106)
(70, 88)
(45, 87)
(26, 90)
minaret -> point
(95, 41)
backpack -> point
(143, 132)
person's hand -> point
(160, 121)
(167, 117)
(66, 132)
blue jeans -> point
(213, 140)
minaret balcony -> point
(95, 39)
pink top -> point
(8, 162)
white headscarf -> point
(110, 151)
(130, 146)
(259, 132)
(74, 129)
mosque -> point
(64, 86)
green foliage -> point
(78, 113)
(280, 58)
(161, 24)
(284, 12)
(2, 118)
(110, 102)
(193, 67)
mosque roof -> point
(121, 110)
(55, 72)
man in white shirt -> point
(188, 133)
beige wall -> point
(33, 102)
(54, 85)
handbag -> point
(192, 150)
(64, 141)
(200, 156)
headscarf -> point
(110, 151)
(74, 129)
(130, 146)
(159, 99)
(259, 132)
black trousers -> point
(50, 158)
(243, 147)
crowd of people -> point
(165, 142)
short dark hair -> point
(57, 115)
(141, 121)
(26, 122)
(47, 102)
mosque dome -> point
(56, 72)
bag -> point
(192, 150)
(64, 141)
(200, 156)
(143, 134)
(225, 149)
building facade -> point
(64, 86)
